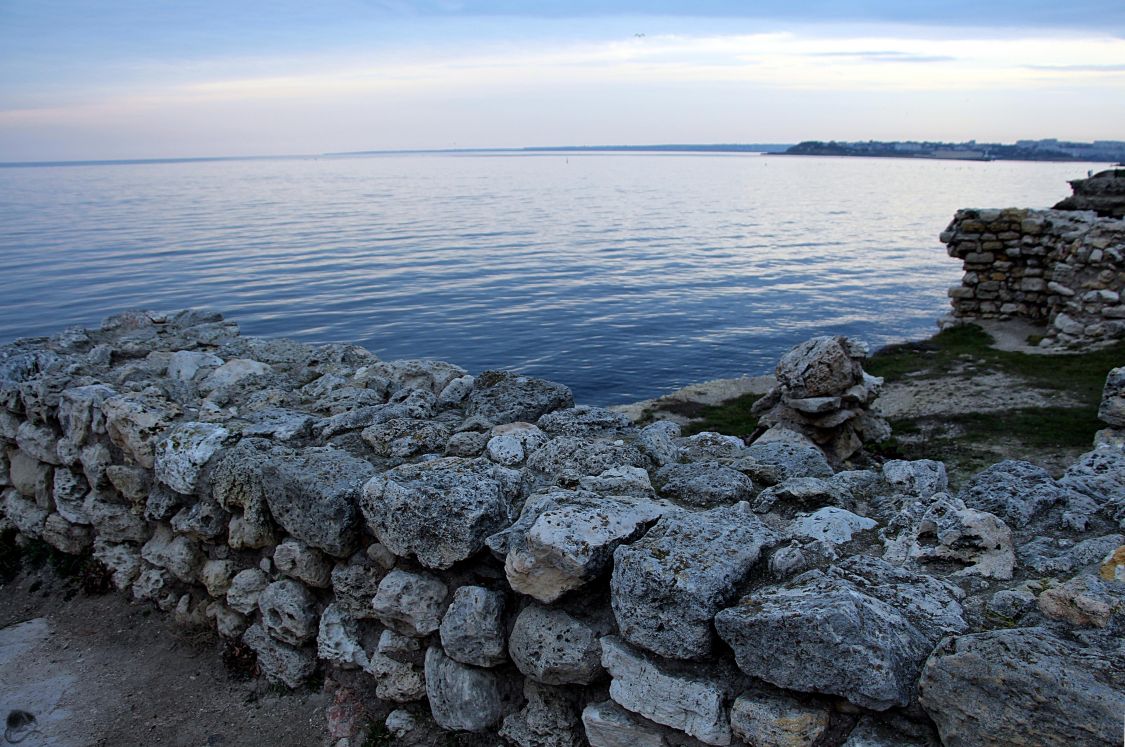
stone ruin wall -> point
(1065, 269)
(476, 554)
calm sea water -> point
(623, 276)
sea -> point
(622, 275)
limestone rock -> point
(619, 481)
(505, 397)
(204, 520)
(60, 534)
(565, 539)
(1112, 409)
(25, 514)
(584, 420)
(695, 706)
(1017, 492)
(472, 631)
(511, 443)
(1022, 686)
(710, 446)
(244, 590)
(134, 424)
(658, 441)
(566, 459)
(555, 648)
(123, 561)
(279, 661)
(777, 720)
(801, 494)
(550, 718)
(411, 603)
(609, 725)
(817, 367)
(703, 484)
(396, 681)
(462, 698)
(354, 585)
(827, 632)
(406, 437)
(439, 511)
(830, 524)
(114, 522)
(922, 478)
(216, 576)
(30, 477)
(38, 442)
(980, 541)
(1083, 601)
(667, 586)
(181, 456)
(69, 490)
(337, 639)
(306, 564)
(289, 611)
(179, 555)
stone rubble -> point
(475, 553)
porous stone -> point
(1112, 408)
(826, 631)
(289, 611)
(609, 725)
(778, 720)
(31, 477)
(411, 603)
(39, 442)
(66, 537)
(703, 484)
(693, 705)
(135, 423)
(306, 564)
(1017, 492)
(511, 443)
(123, 561)
(354, 585)
(244, 590)
(565, 539)
(1022, 686)
(462, 698)
(279, 661)
(922, 477)
(181, 456)
(555, 648)
(550, 718)
(835, 526)
(395, 681)
(69, 489)
(800, 494)
(1083, 601)
(440, 511)
(179, 555)
(472, 630)
(979, 541)
(584, 420)
(115, 522)
(567, 459)
(658, 441)
(216, 575)
(505, 397)
(667, 586)
(406, 437)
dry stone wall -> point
(1065, 269)
(459, 553)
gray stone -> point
(203, 520)
(1011, 604)
(416, 373)
(658, 440)
(406, 437)
(1056, 555)
(564, 539)
(772, 462)
(472, 630)
(162, 503)
(667, 586)
(801, 494)
(830, 524)
(135, 423)
(567, 459)
(234, 371)
(411, 603)
(228, 623)
(979, 541)
(778, 720)
(132, 482)
(439, 511)
(1017, 492)
(279, 661)
(30, 477)
(818, 367)
(115, 522)
(60, 534)
(462, 698)
(69, 489)
(1100, 476)
(1022, 686)
(38, 442)
(555, 648)
(179, 555)
(1083, 601)
(396, 681)
(466, 444)
(456, 391)
(123, 561)
(693, 705)
(619, 481)
(354, 586)
(1112, 409)
(307, 564)
(828, 631)
(511, 443)
(289, 611)
(710, 446)
(873, 732)
(505, 397)
(182, 455)
(183, 365)
(922, 477)
(338, 639)
(703, 484)
(584, 420)
(81, 418)
(609, 725)
(244, 590)
(550, 718)
(216, 575)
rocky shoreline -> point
(478, 555)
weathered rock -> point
(658, 441)
(703, 484)
(132, 482)
(81, 418)
(667, 586)
(921, 478)
(38, 442)
(406, 437)
(462, 698)
(114, 522)
(203, 520)
(152, 584)
(31, 477)
(179, 555)
(66, 537)
(1083, 601)
(550, 718)
(216, 575)
(609, 725)
(771, 462)
(980, 541)
(801, 494)
(244, 590)
(827, 632)
(123, 561)
(777, 720)
(818, 367)
(135, 423)
(830, 524)
(279, 661)
(439, 511)
(505, 397)
(338, 639)
(181, 456)
(355, 585)
(69, 489)
(234, 371)
(1100, 476)
(565, 539)
(307, 564)
(710, 446)
(396, 681)
(1022, 686)
(228, 623)
(472, 630)
(411, 603)
(693, 705)
(584, 420)
(511, 443)
(1112, 408)
(466, 444)
(1017, 492)
(566, 459)
(415, 373)
(633, 482)
(1051, 555)
(289, 611)
(555, 648)
(184, 365)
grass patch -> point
(732, 417)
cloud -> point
(1078, 68)
(885, 56)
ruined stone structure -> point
(477, 554)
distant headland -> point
(1021, 150)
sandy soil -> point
(98, 671)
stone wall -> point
(1065, 269)
(477, 554)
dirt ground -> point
(99, 671)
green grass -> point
(732, 417)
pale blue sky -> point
(157, 78)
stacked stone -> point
(823, 394)
(1065, 269)
(1112, 411)
(1104, 193)
(462, 553)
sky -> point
(118, 79)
